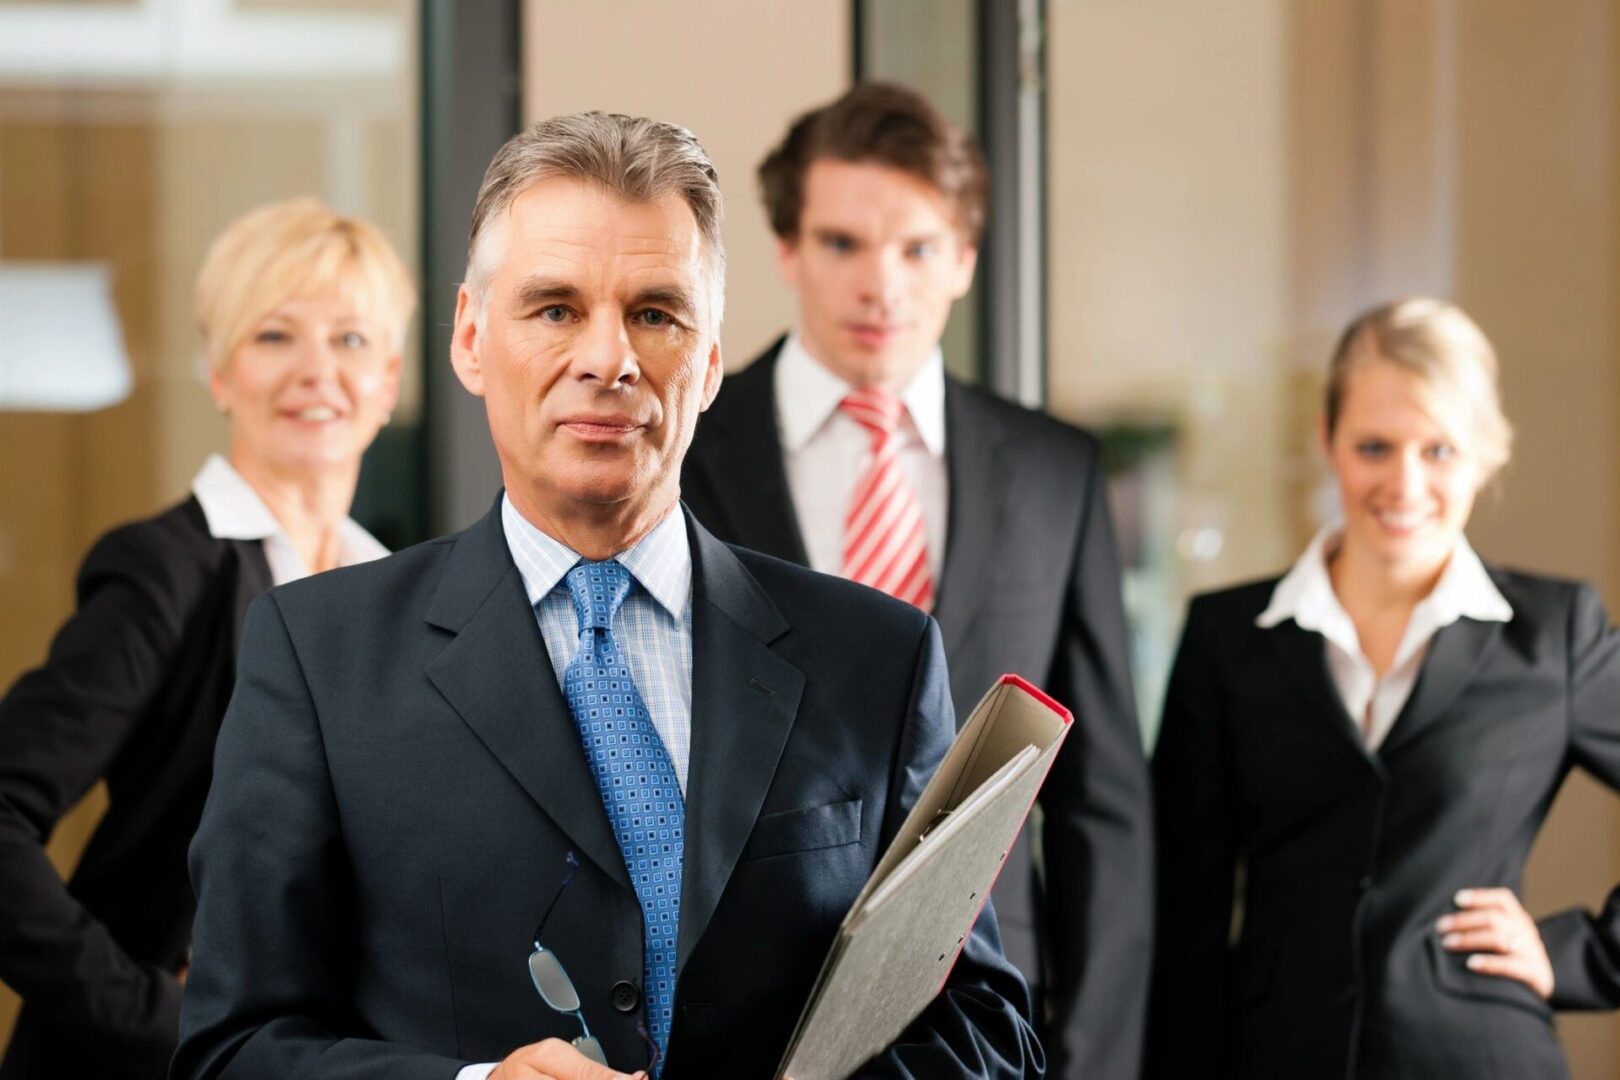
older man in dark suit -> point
(583, 736)
(845, 447)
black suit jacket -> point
(1351, 856)
(1030, 585)
(399, 782)
(133, 690)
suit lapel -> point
(972, 441)
(744, 700)
(1304, 658)
(1455, 654)
(496, 674)
(743, 464)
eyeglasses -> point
(557, 989)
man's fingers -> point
(566, 1063)
(554, 1059)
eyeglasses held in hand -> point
(557, 989)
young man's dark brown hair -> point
(883, 124)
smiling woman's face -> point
(1406, 470)
(310, 386)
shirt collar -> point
(1306, 593)
(234, 511)
(1465, 590)
(661, 561)
(808, 393)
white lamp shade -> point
(61, 347)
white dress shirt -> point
(653, 627)
(234, 511)
(1306, 595)
(826, 450)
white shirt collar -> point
(808, 393)
(234, 511)
(1306, 595)
(661, 561)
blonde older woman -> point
(302, 312)
(1375, 739)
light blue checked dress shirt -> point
(653, 627)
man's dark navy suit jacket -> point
(399, 783)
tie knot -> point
(598, 588)
(875, 409)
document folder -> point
(901, 938)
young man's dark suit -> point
(1030, 585)
(399, 784)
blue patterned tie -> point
(634, 774)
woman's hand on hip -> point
(1501, 936)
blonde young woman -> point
(302, 313)
(1374, 739)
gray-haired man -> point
(582, 738)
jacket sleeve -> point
(1096, 840)
(276, 917)
(1197, 837)
(1585, 948)
(979, 1025)
(61, 727)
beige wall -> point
(733, 71)
(1167, 174)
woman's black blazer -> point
(1301, 875)
(133, 690)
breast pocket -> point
(790, 831)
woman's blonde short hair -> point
(1445, 351)
(295, 248)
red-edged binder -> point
(897, 945)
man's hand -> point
(554, 1059)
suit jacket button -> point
(625, 996)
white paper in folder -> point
(898, 943)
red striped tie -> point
(885, 541)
